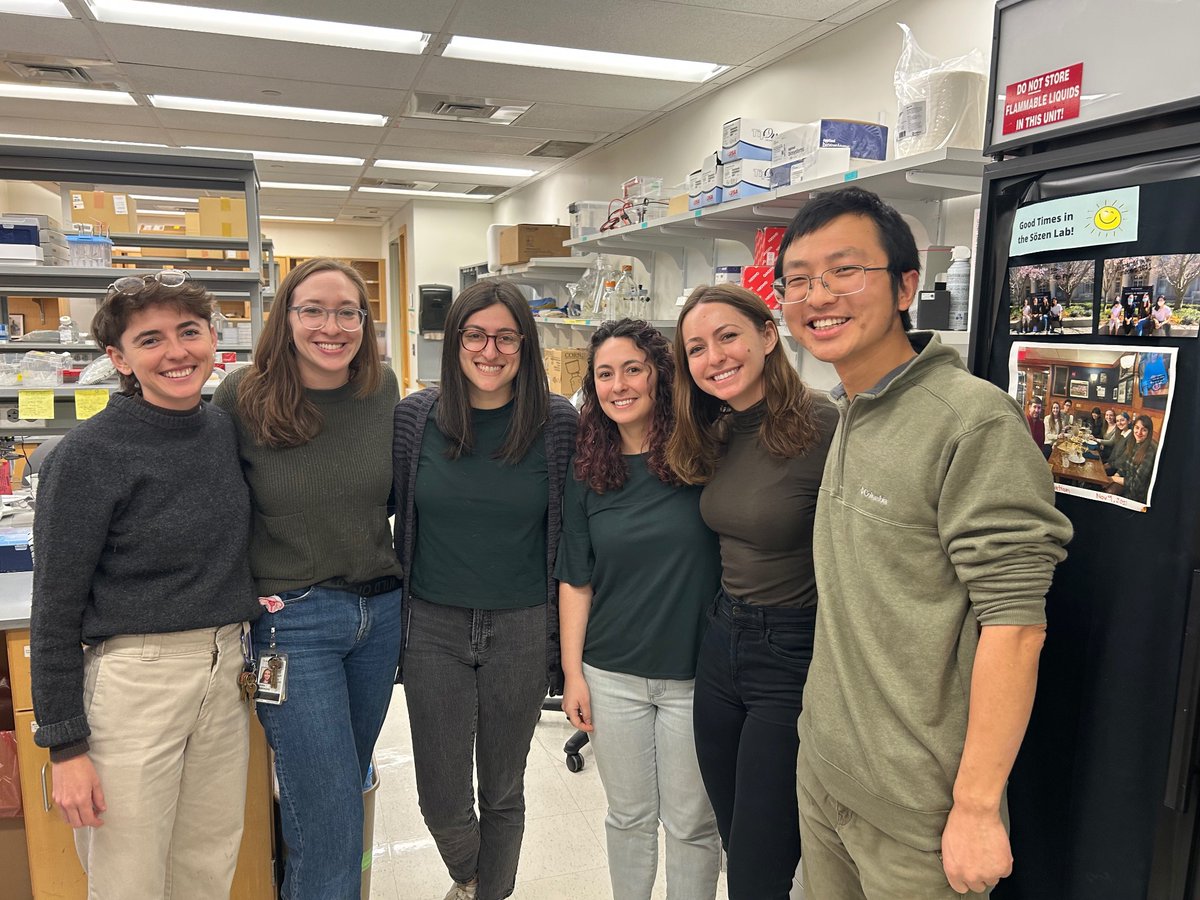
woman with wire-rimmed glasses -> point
(314, 416)
(480, 466)
(141, 588)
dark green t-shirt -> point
(481, 523)
(654, 568)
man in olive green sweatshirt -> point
(935, 541)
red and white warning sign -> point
(1043, 99)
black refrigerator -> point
(1105, 219)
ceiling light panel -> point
(42, 137)
(429, 195)
(49, 8)
(600, 62)
(274, 156)
(161, 212)
(297, 186)
(296, 218)
(258, 25)
(156, 199)
(267, 111)
(418, 166)
(67, 94)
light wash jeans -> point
(646, 754)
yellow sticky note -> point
(90, 401)
(35, 404)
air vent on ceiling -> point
(490, 189)
(465, 110)
(48, 73)
(558, 149)
(457, 108)
(400, 185)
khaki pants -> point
(847, 858)
(170, 744)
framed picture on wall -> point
(1059, 387)
(16, 325)
(1079, 388)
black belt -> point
(370, 588)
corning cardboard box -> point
(223, 217)
(565, 368)
(521, 243)
(111, 213)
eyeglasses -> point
(170, 278)
(348, 318)
(838, 281)
(474, 340)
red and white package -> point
(767, 242)
(758, 279)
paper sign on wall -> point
(1087, 220)
(1043, 99)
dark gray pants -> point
(474, 680)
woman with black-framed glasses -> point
(480, 465)
(314, 415)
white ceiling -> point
(569, 106)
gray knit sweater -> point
(141, 528)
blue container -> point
(19, 234)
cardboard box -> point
(521, 243)
(14, 859)
(758, 279)
(712, 197)
(222, 217)
(694, 182)
(565, 368)
(866, 140)
(750, 138)
(746, 177)
(110, 213)
(767, 242)
(727, 275)
(711, 173)
(677, 204)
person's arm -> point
(574, 604)
(975, 847)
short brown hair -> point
(112, 318)
(789, 428)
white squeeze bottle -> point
(958, 283)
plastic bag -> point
(10, 781)
(99, 369)
(939, 103)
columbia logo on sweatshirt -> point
(871, 495)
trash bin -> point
(369, 790)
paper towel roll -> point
(948, 110)
(493, 247)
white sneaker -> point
(463, 891)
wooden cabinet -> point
(373, 272)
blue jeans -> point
(342, 653)
(749, 686)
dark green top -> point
(481, 535)
(654, 568)
(763, 510)
(321, 509)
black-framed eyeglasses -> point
(475, 339)
(348, 318)
(128, 284)
(838, 281)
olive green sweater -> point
(321, 509)
(935, 518)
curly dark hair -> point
(598, 459)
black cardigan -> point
(559, 433)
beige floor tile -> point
(590, 885)
(558, 845)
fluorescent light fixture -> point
(71, 95)
(296, 218)
(266, 110)
(452, 167)
(157, 199)
(42, 137)
(296, 186)
(161, 212)
(542, 56)
(51, 8)
(433, 195)
(257, 25)
(273, 156)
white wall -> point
(315, 239)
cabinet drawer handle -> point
(45, 791)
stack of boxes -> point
(824, 147)
(32, 240)
(758, 277)
(746, 147)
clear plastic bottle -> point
(958, 283)
(67, 332)
(608, 300)
(625, 295)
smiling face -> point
(1110, 417)
(1140, 431)
(861, 333)
(490, 372)
(323, 355)
(1054, 409)
(1123, 422)
(726, 352)
(625, 382)
(170, 352)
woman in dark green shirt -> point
(637, 570)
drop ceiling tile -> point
(627, 26)
(191, 135)
(260, 58)
(25, 36)
(300, 133)
(424, 16)
(792, 9)
(460, 76)
(468, 142)
(65, 126)
(590, 118)
(58, 111)
(858, 10)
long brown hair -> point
(599, 462)
(271, 399)
(531, 393)
(1139, 455)
(789, 428)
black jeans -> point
(749, 684)
(474, 680)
